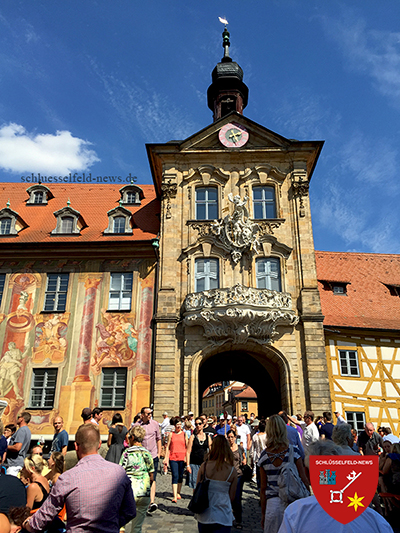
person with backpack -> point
(282, 475)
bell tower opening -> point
(243, 367)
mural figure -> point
(117, 342)
(50, 338)
(10, 369)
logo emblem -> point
(344, 485)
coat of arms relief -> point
(237, 314)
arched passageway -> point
(241, 366)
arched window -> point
(38, 197)
(206, 274)
(67, 225)
(5, 226)
(206, 203)
(264, 204)
(268, 273)
(119, 224)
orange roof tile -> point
(367, 302)
(248, 392)
(92, 201)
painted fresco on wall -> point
(116, 343)
(19, 322)
(50, 338)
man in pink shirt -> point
(152, 443)
(91, 505)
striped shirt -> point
(272, 471)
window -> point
(268, 275)
(56, 292)
(349, 363)
(206, 275)
(355, 419)
(206, 203)
(67, 225)
(43, 388)
(245, 406)
(339, 289)
(5, 226)
(38, 197)
(2, 283)
(119, 224)
(113, 388)
(264, 202)
(131, 198)
(120, 292)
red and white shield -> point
(344, 485)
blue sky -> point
(84, 85)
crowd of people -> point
(41, 495)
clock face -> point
(233, 136)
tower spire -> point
(227, 91)
(226, 44)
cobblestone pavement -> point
(176, 517)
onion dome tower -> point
(227, 92)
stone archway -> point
(240, 365)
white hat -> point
(391, 438)
(222, 417)
(229, 417)
(165, 413)
(190, 413)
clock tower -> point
(237, 295)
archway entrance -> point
(241, 366)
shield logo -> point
(344, 485)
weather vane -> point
(223, 20)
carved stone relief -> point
(168, 191)
(239, 313)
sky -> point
(85, 85)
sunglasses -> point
(199, 423)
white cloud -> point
(304, 115)
(21, 151)
(374, 161)
(149, 110)
(376, 53)
(357, 217)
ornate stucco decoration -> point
(300, 190)
(239, 313)
(168, 191)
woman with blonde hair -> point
(219, 469)
(275, 454)
(139, 466)
(56, 465)
(38, 488)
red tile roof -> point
(367, 302)
(92, 201)
(248, 392)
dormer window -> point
(69, 222)
(131, 195)
(393, 289)
(67, 225)
(10, 222)
(119, 221)
(5, 226)
(339, 288)
(119, 224)
(38, 195)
